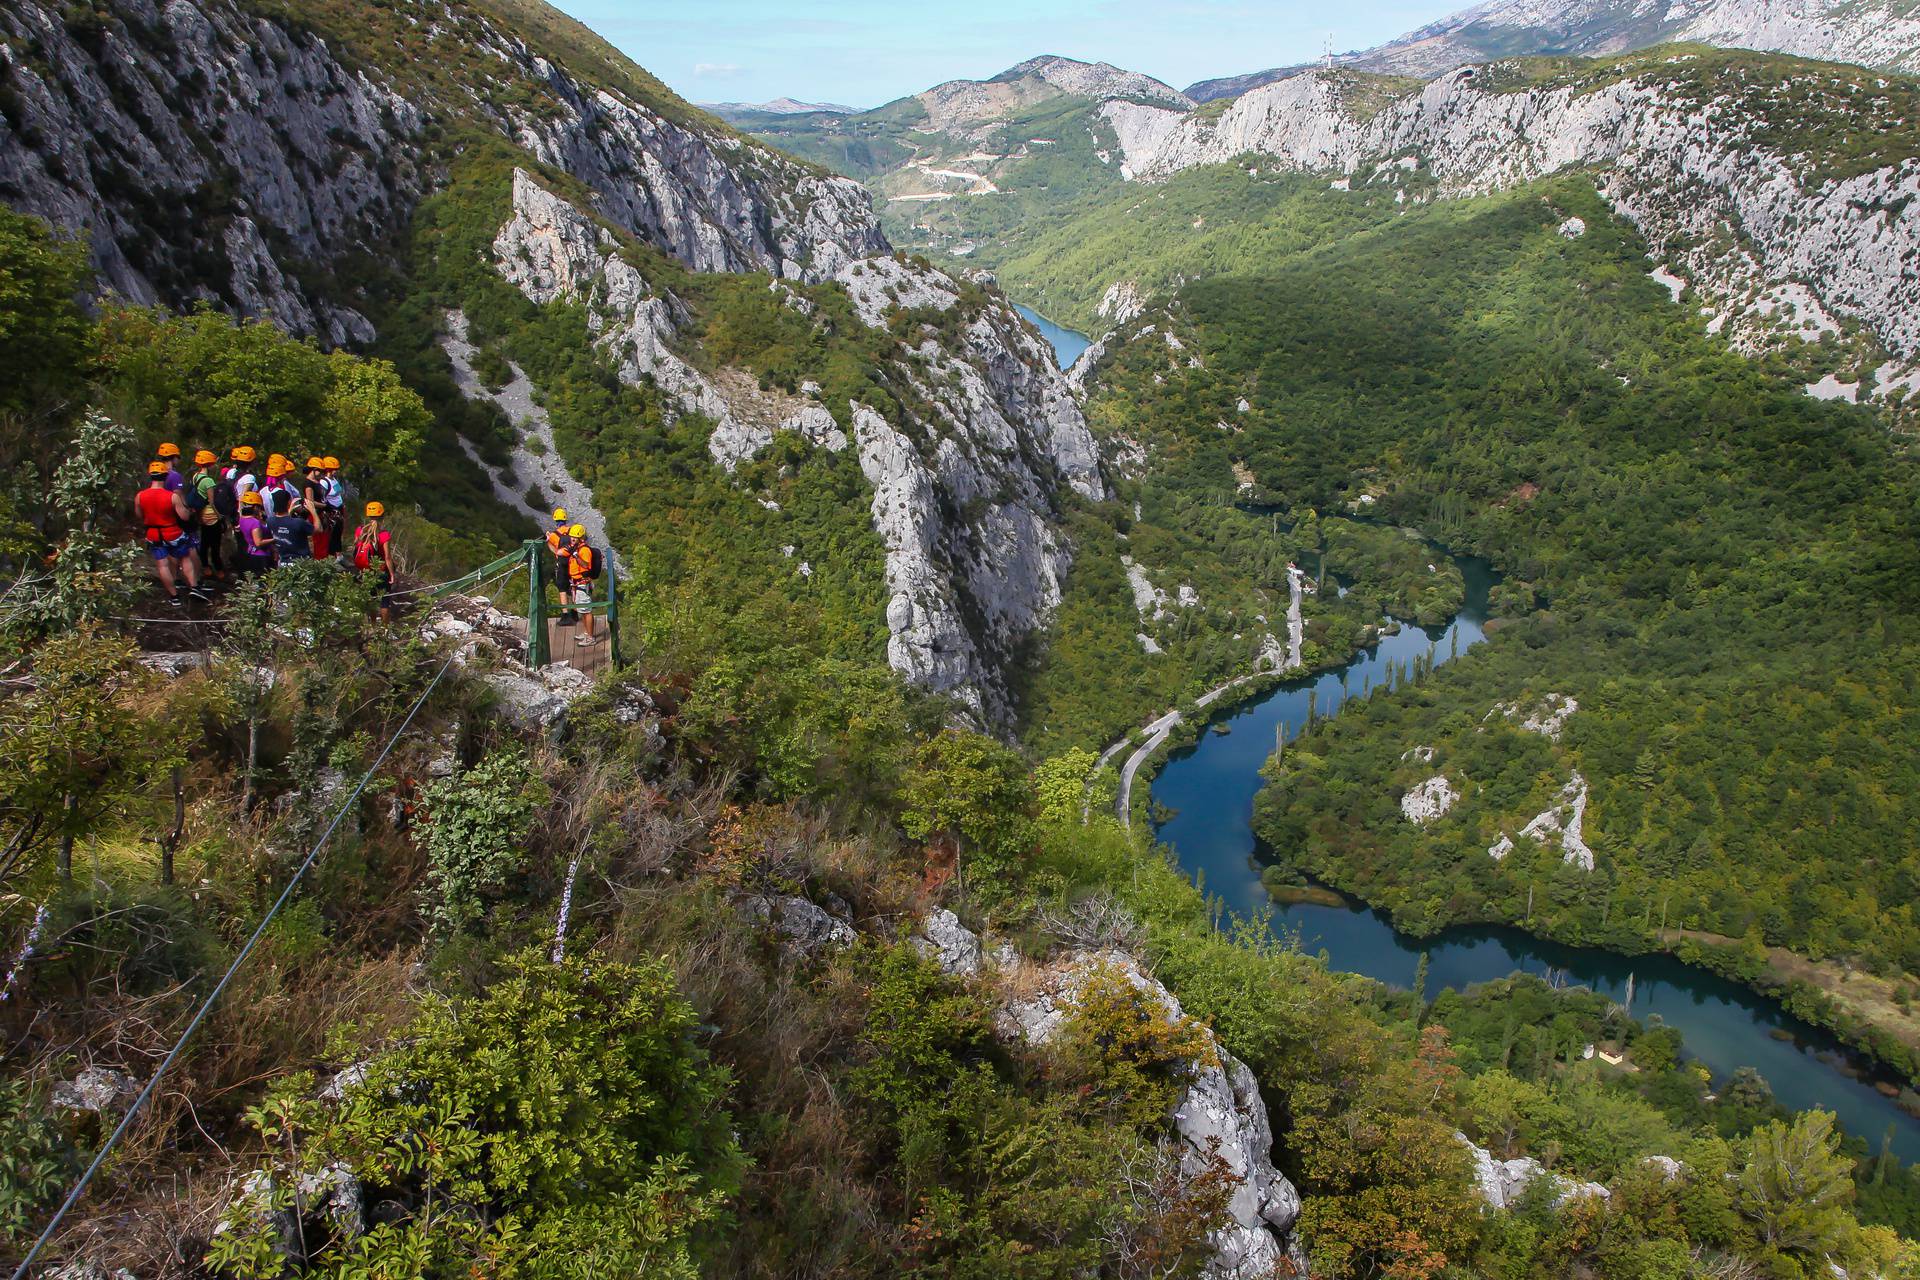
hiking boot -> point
(569, 619)
(174, 600)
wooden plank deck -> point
(589, 659)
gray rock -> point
(1501, 1183)
(174, 665)
(1221, 1116)
(949, 944)
(96, 1089)
(344, 1082)
(526, 703)
(87, 1271)
(330, 1199)
(805, 931)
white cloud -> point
(716, 69)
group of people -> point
(575, 566)
(214, 522)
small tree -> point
(89, 578)
(1796, 1186)
(76, 753)
(973, 791)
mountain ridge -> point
(1878, 33)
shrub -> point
(476, 837)
(35, 1160)
(562, 1125)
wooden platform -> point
(589, 659)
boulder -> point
(949, 944)
(804, 931)
(1428, 801)
(96, 1089)
(174, 665)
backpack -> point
(594, 559)
(192, 497)
(226, 498)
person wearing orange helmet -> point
(557, 545)
(164, 514)
(334, 497)
(582, 567)
(257, 550)
(169, 453)
(211, 533)
(373, 551)
(313, 494)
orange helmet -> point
(251, 499)
(156, 468)
(315, 463)
(204, 458)
(169, 450)
(330, 463)
(375, 510)
(242, 453)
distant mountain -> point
(777, 107)
(966, 106)
(1883, 33)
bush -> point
(35, 1160)
(562, 1125)
(478, 823)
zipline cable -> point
(126, 1121)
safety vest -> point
(579, 561)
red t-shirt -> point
(156, 508)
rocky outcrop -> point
(1560, 824)
(1546, 715)
(214, 154)
(1778, 253)
(949, 944)
(96, 1089)
(804, 930)
(204, 152)
(1501, 1183)
(1220, 1117)
(1428, 801)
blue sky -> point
(866, 52)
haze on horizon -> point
(862, 53)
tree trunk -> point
(171, 841)
(253, 754)
(66, 841)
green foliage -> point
(78, 755)
(206, 379)
(43, 334)
(478, 826)
(1795, 1186)
(36, 1161)
(1125, 1051)
(92, 578)
(967, 788)
(562, 1125)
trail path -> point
(545, 469)
(1158, 730)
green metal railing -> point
(533, 555)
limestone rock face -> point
(1221, 1115)
(1775, 252)
(98, 1089)
(169, 119)
(1560, 823)
(1501, 1183)
(209, 151)
(963, 488)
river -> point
(1211, 785)
(1067, 345)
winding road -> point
(1158, 730)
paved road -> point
(1157, 731)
